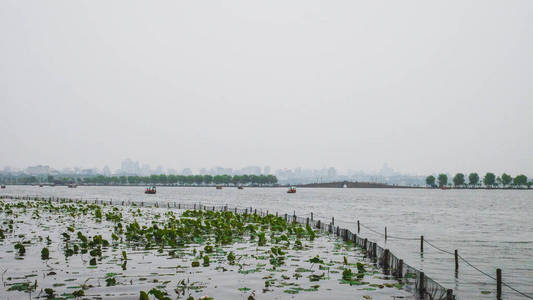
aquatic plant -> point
(20, 248)
(262, 239)
(45, 253)
(143, 296)
(231, 258)
(50, 293)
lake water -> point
(491, 229)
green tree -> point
(123, 180)
(198, 179)
(459, 179)
(172, 179)
(134, 179)
(217, 179)
(473, 179)
(208, 179)
(430, 181)
(489, 180)
(443, 179)
(271, 179)
(236, 179)
(506, 179)
(520, 180)
(226, 179)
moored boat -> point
(240, 187)
(3, 186)
(150, 190)
(291, 190)
(219, 187)
(72, 185)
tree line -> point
(489, 180)
(186, 179)
(162, 179)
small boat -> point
(240, 187)
(40, 185)
(291, 190)
(72, 185)
(3, 186)
(219, 187)
(150, 190)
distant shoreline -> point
(337, 184)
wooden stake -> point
(449, 294)
(498, 283)
(399, 273)
(421, 286)
(456, 261)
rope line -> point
(451, 253)
(388, 236)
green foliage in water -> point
(143, 296)
(45, 253)
(206, 261)
(262, 239)
(20, 248)
(231, 258)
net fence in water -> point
(413, 280)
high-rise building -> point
(129, 167)
(266, 170)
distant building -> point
(267, 170)
(386, 171)
(38, 170)
(129, 167)
(145, 170)
(251, 170)
(332, 173)
(106, 171)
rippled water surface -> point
(491, 229)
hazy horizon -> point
(427, 87)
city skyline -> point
(447, 90)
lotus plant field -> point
(65, 250)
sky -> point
(427, 86)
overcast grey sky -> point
(426, 86)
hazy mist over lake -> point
(424, 86)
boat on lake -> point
(219, 187)
(291, 190)
(72, 185)
(3, 186)
(150, 190)
(240, 187)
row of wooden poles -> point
(456, 255)
(369, 246)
